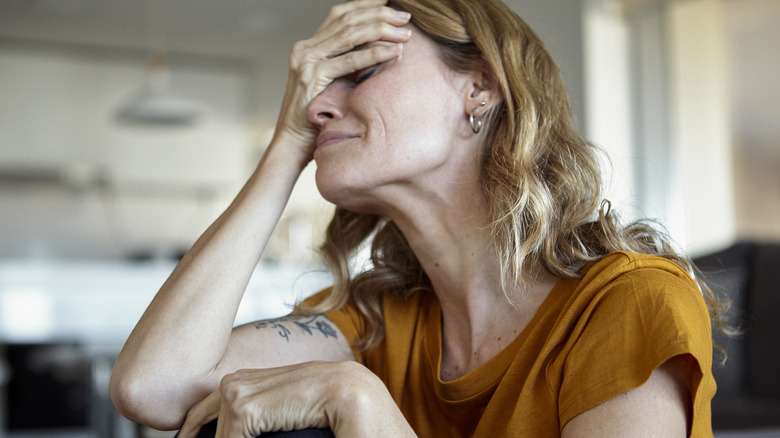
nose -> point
(326, 106)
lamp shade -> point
(155, 103)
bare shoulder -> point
(660, 407)
(283, 341)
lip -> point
(329, 138)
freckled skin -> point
(407, 115)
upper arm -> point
(660, 407)
(282, 341)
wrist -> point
(364, 407)
(282, 154)
(297, 146)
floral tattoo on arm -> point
(309, 325)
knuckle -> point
(305, 77)
(297, 50)
(230, 386)
(303, 84)
(348, 17)
(338, 9)
(298, 55)
(380, 53)
(351, 61)
(295, 62)
(388, 13)
(348, 33)
(386, 28)
(229, 377)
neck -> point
(459, 257)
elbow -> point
(142, 401)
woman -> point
(504, 299)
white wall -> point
(125, 189)
(658, 102)
(608, 113)
(701, 134)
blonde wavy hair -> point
(542, 179)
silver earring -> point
(475, 128)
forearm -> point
(166, 364)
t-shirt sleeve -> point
(348, 320)
(635, 323)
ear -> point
(480, 87)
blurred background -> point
(127, 127)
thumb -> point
(201, 414)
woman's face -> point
(394, 130)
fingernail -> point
(403, 31)
(403, 15)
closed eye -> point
(362, 75)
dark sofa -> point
(748, 396)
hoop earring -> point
(473, 117)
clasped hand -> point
(313, 394)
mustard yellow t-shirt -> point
(592, 339)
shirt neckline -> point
(483, 379)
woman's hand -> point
(344, 396)
(315, 63)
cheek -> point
(411, 129)
(413, 114)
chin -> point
(336, 190)
(347, 196)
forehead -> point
(419, 42)
(421, 54)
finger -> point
(285, 398)
(283, 404)
(367, 15)
(351, 62)
(356, 36)
(201, 414)
(346, 23)
(245, 383)
(348, 41)
(259, 376)
(342, 9)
